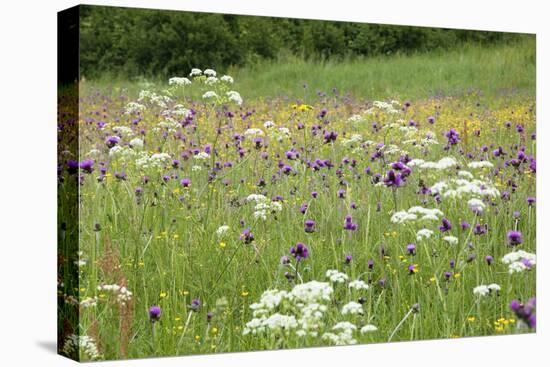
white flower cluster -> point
(263, 206)
(480, 164)
(408, 131)
(356, 119)
(136, 143)
(302, 310)
(385, 106)
(415, 213)
(352, 308)
(235, 97)
(152, 97)
(123, 131)
(424, 233)
(222, 230)
(476, 205)
(280, 134)
(354, 139)
(304, 302)
(121, 152)
(83, 343)
(88, 302)
(179, 81)
(178, 110)
(343, 334)
(195, 72)
(484, 290)
(336, 277)
(133, 107)
(122, 293)
(227, 79)
(169, 124)
(201, 156)
(209, 94)
(458, 188)
(358, 284)
(157, 160)
(442, 164)
(253, 133)
(269, 124)
(519, 261)
(451, 240)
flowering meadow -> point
(212, 222)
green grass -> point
(491, 71)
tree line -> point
(132, 42)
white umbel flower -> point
(352, 308)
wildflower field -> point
(212, 222)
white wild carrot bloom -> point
(480, 164)
(136, 143)
(133, 107)
(222, 230)
(179, 81)
(451, 240)
(201, 156)
(195, 72)
(476, 205)
(209, 94)
(358, 284)
(235, 97)
(424, 234)
(368, 329)
(352, 308)
(227, 79)
(209, 72)
(336, 277)
(481, 290)
(83, 344)
(312, 292)
(211, 80)
(269, 124)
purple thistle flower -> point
(514, 238)
(285, 260)
(348, 259)
(247, 236)
(341, 193)
(314, 194)
(480, 229)
(330, 137)
(370, 264)
(154, 313)
(452, 137)
(445, 225)
(300, 251)
(489, 259)
(195, 305)
(87, 165)
(309, 226)
(447, 275)
(72, 166)
(111, 141)
(185, 182)
(525, 312)
(348, 224)
(411, 249)
(464, 225)
(531, 200)
(393, 179)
